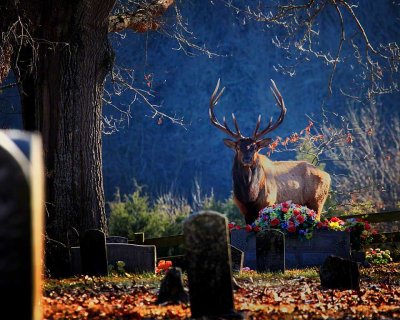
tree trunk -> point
(73, 57)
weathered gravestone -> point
(171, 288)
(21, 223)
(237, 256)
(270, 251)
(93, 253)
(246, 242)
(209, 270)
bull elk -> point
(259, 182)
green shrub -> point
(134, 213)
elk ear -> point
(263, 143)
(230, 144)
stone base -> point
(299, 253)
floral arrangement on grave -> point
(163, 266)
(378, 256)
(361, 233)
(295, 219)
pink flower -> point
(284, 209)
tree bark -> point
(65, 87)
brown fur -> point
(266, 182)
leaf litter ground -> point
(297, 294)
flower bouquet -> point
(378, 256)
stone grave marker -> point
(93, 253)
(137, 258)
(21, 223)
(209, 270)
(270, 251)
(245, 241)
(237, 259)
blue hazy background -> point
(169, 157)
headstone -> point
(237, 256)
(137, 259)
(21, 223)
(58, 259)
(270, 251)
(171, 288)
(209, 270)
(94, 253)
(339, 273)
(246, 242)
(116, 239)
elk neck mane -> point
(248, 182)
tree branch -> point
(142, 20)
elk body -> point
(259, 182)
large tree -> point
(60, 54)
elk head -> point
(246, 148)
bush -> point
(134, 213)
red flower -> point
(300, 218)
(237, 227)
(284, 209)
(296, 212)
(231, 226)
(374, 232)
(256, 228)
(274, 222)
(291, 228)
(320, 225)
(285, 205)
(335, 219)
(367, 226)
(248, 228)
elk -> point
(259, 182)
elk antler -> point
(213, 102)
(270, 127)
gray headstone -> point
(270, 251)
(21, 223)
(172, 290)
(137, 259)
(116, 239)
(245, 241)
(94, 253)
(237, 256)
(209, 270)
